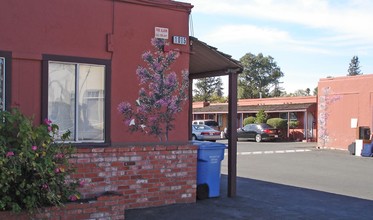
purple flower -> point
(171, 80)
(158, 42)
(161, 102)
(9, 154)
(34, 147)
(147, 55)
(57, 170)
(81, 183)
(124, 107)
(143, 74)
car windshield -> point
(211, 123)
(266, 126)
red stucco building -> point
(74, 62)
(345, 107)
(113, 73)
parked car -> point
(257, 132)
(205, 133)
(211, 123)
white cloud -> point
(262, 36)
(310, 39)
(234, 33)
(347, 17)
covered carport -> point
(207, 61)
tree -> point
(161, 96)
(259, 76)
(354, 68)
(208, 89)
(315, 90)
(261, 117)
(301, 92)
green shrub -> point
(293, 124)
(34, 168)
(249, 120)
(261, 117)
(278, 123)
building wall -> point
(118, 31)
(139, 167)
(341, 100)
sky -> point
(308, 39)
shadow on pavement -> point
(262, 200)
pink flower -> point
(47, 121)
(45, 186)
(59, 155)
(9, 154)
(34, 147)
(81, 183)
(57, 170)
(73, 198)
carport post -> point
(232, 134)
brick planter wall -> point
(105, 207)
(125, 178)
(145, 176)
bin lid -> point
(207, 145)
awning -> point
(207, 61)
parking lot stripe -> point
(270, 152)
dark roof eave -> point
(207, 61)
(221, 109)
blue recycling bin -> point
(210, 155)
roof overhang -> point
(207, 61)
(223, 108)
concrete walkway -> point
(263, 200)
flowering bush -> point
(161, 96)
(34, 169)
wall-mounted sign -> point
(179, 40)
(161, 32)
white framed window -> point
(76, 99)
(2, 84)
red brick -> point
(111, 150)
(84, 150)
(83, 160)
(98, 150)
(148, 148)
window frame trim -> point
(7, 55)
(107, 104)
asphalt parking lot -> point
(302, 165)
(284, 181)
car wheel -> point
(258, 138)
(194, 138)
